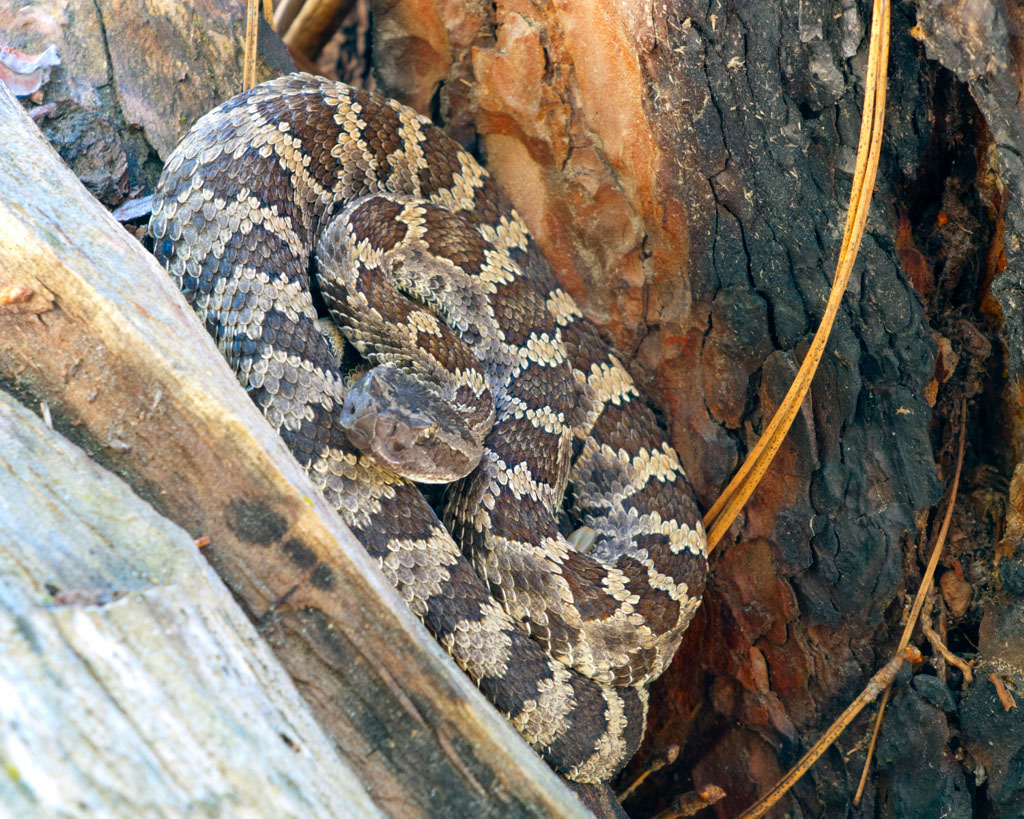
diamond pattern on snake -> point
(305, 215)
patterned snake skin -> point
(427, 269)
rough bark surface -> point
(134, 77)
(982, 45)
(686, 168)
(91, 326)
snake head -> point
(408, 429)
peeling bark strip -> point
(130, 375)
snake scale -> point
(427, 270)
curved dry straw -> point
(724, 511)
(252, 21)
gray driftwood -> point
(130, 682)
(93, 328)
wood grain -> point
(131, 681)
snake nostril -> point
(359, 438)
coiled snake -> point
(480, 362)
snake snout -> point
(396, 436)
(361, 415)
(359, 426)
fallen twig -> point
(922, 592)
(692, 803)
(1005, 697)
(940, 648)
(656, 763)
(876, 685)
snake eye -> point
(423, 433)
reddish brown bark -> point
(686, 170)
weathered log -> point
(92, 326)
(131, 682)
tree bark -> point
(686, 168)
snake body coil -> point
(428, 270)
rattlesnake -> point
(387, 200)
